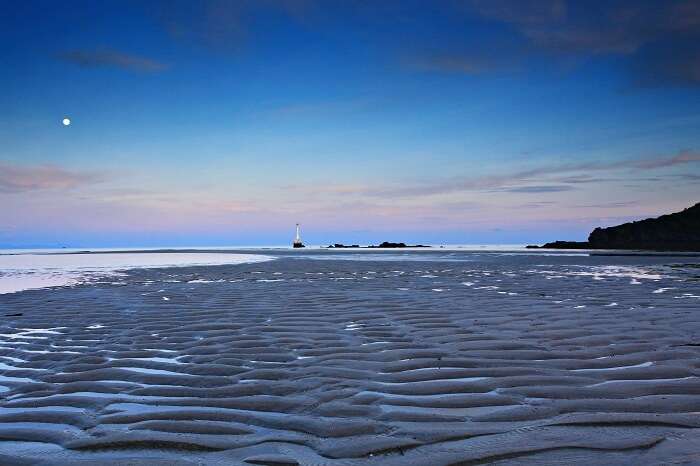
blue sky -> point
(224, 123)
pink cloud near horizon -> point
(18, 179)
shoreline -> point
(495, 249)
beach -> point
(358, 358)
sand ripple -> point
(356, 362)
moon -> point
(66, 121)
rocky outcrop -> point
(385, 244)
(388, 244)
(679, 231)
(563, 245)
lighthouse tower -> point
(297, 240)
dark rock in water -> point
(388, 244)
(385, 244)
(679, 231)
(567, 245)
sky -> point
(224, 123)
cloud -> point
(522, 12)
(222, 24)
(18, 179)
(659, 42)
(567, 176)
(536, 205)
(682, 158)
(538, 189)
(320, 189)
(595, 27)
(451, 64)
(322, 107)
(688, 176)
(482, 183)
(111, 58)
(609, 205)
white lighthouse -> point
(297, 240)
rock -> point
(567, 245)
(679, 231)
(385, 244)
(388, 244)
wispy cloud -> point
(222, 24)
(112, 58)
(658, 42)
(322, 108)
(523, 12)
(17, 179)
(609, 205)
(538, 189)
(451, 64)
(597, 27)
(681, 158)
(317, 189)
(545, 179)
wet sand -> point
(433, 359)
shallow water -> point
(27, 270)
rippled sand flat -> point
(443, 360)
